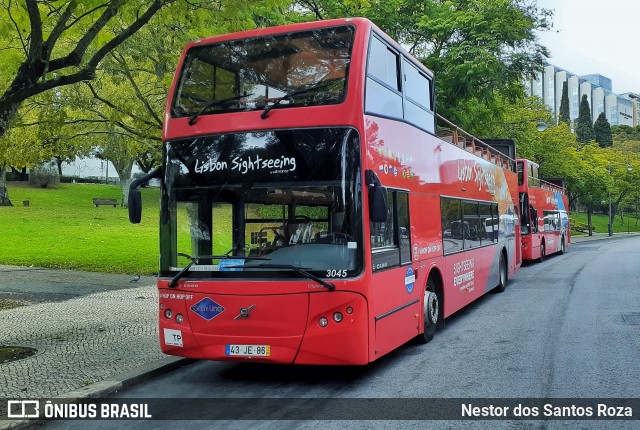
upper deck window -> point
(384, 94)
(383, 64)
(249, 74)
(397, 89)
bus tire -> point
(503, 275)
(563, 248)
(432, 312)
(542, 253)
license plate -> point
(249, 350)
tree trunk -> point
(7, 112)
(124, 174)
(589, 220)
(20, 174)
(59, 164)
(4, 194)
(125, 192)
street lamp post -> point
(609, 167)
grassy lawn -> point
(61, 228)
(600, 221)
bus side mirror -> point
(134, 202)
(377, 198)
(135, 206)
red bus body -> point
(544, 209)
(382, 306)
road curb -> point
(602, 236)
(108, 387)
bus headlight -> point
(179, 318)
(323, 321)
(168, 314)
(337, 317)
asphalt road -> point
(565, 328)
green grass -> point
(600, 222)
(11, 353)
(61, 228)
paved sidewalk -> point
(601, 236)
(88, 346)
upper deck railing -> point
(455, 135)
(551, 187)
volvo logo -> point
(244, 312)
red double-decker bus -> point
(309, 213)
(544, 213)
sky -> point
(596, 36)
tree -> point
(564, 114)
(584, 128)
(602, 131)
(591, 179)
(129, 78)
(50, 44)
(623, 133)
(58, 43)
(128, 96)
(477, 48)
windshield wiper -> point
(265, 111)
(301, 271)
(212, 103)
(196, 260)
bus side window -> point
(534, 219)
(452, 227)
(404, 227)
(382, 232)
(391, 240)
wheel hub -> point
(431, 307)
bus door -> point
(395, 296)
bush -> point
(44, 176)
(582, 227)
(16, 177)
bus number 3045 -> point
(337, 273)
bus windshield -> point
(291, 197)
(294, 69)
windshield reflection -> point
(295, 69)
(290, 196)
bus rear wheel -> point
(503, 275)
(563, 248)
(432, 312)
(542, 253)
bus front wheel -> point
(432, 312)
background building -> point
(634, 98)
(619, 109)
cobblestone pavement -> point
(79, 341)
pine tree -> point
(584, 128)
(602, 131)
(564, 114)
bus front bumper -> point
(304, 328)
